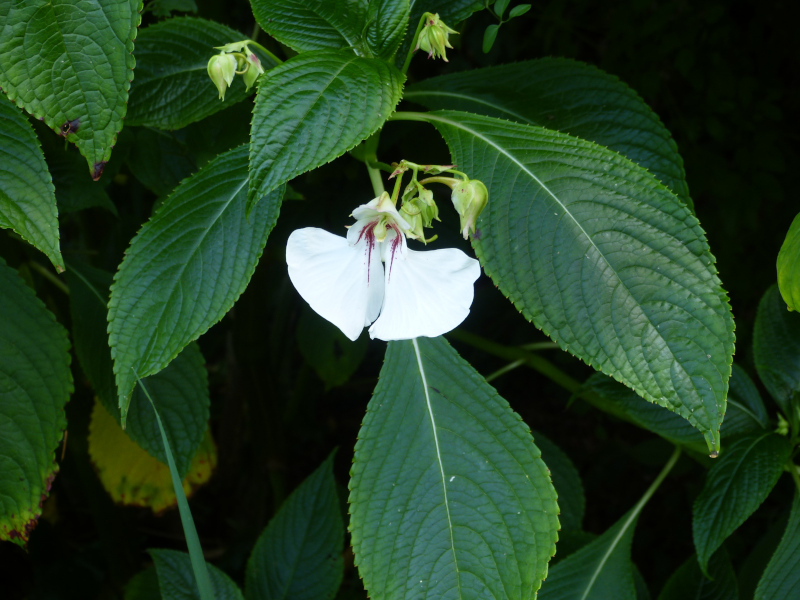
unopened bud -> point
(434, 37)
(254, 70)
(469, 199)
(221, 70)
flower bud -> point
(412, 213)
(221, 70)
(434, 37)
(469, 199)
(254, 70)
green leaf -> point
(448, 493)
(781, 578)
(568, 96)
(329, 352)
(143, 586)
(362, 27)
(172, 87)
(735, 487)
(689, 582)
(165, 8)
(75, 189)
(180, 390)
(789, 266)
(35, 384)
(27, 196)
(313, 108)
(299, 554)
(500, 7)
(566, 480)
(489, 36)
(746, 411)
(607, 262)
(642, 591)
(776, 350)
(71, 63)
(185, 269)
(160, 161)
(518, 11)
(599, 571)
(176, 580)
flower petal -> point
(342, 283)
(427, 293)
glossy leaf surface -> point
(601, 257)
(185, 268)
(789, 266)
(313, 108)
(299, 554)
(27, 196)
(564, 95)
(71, 63)
(35, 384)
(449, 497)
(736, 485)
(566, 480)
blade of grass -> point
(189, 530)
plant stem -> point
(503, 370)
(540, 346)
(272, 57)
(370, 159)
(49, 276)
(256, 31)
(412, 49)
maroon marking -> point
(368, 233)
(397, 241)
(97, 169)
(69, 127)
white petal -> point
(339, 281)
(427, 293)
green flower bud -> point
(434, 37)
(254, 70)
(469, 199)
(221, 70)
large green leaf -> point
(735, 487)
(776, 351)
(566, 480)
(27, 195)
(789, 266)
(564, 95)
(172, 87)
(601, 257)
(176, 580)
(159, 160)
(180, 391)
(313, 108)
(363, 27)
(781, 578)
(599, 571)
(35, 384)
(71, 63)
(185, 269)
(689, 582)
(299, 554)
(449, 497)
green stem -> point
(503, 370)
(256, 31)
(413, 46)
(49, 276)
(371, 160)
(272, 57)
(405, 115)
(540, 346)
(376, 164)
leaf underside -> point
(602, 258)
(70, 63)
(35, 384)
(449, 497)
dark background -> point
(722, 76)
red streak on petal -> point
(368, 233)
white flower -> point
(373, 278)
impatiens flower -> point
(434, 37)
(372, 279)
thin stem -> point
(370, 160)
(49, 276)
(272, 57)
(376, 164)
(256, 31)
(793, 472)
(413, 47)
(503, 370)
(406, 115)
(540, 346)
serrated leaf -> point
(71, 63)
(299, 554)
(736, 485)
(566, 480)
(329, 352)
(27, 196)
(599, 571)
(131, 476)
(185, 268)
(449, 497)
(362, 27)
(689, 582)
(75, 189)
(776, 350)
(489, 36)
(35, 384)
(602, 258)
(314, 108)
(176, 580)
(781, 578)
(180, 390)
(789, 266)
(172, 87)
(568, 96)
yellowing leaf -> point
(134, 477)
